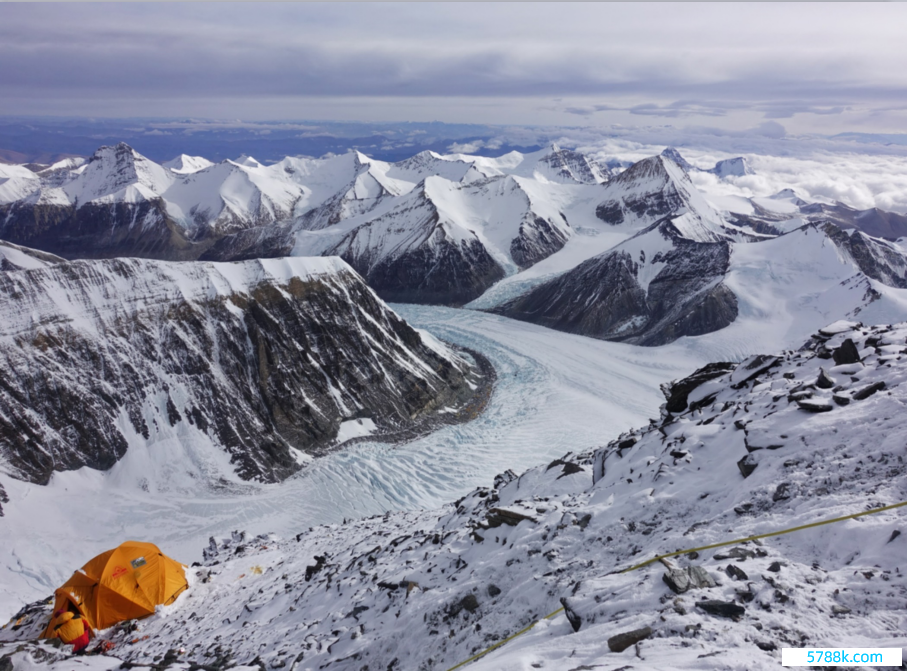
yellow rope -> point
(681, 552)
(773, 533)
(509, 638)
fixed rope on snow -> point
(681, 552)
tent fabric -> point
(125, 583)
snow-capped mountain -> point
(655, 188)
(661, 285)
(729, 167)
(677, 275)
(432, 228)
(786, 210)
(732, 167)
(219, 370)
(184, 165)
(446, 242)
(119, 203)
(650, 290)
(773, 442)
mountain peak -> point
(674, 155)
(732, 167)
(247, 162)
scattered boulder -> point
(846, 353)
(468, 603)
(569, 468)
(738, 553)
(824, 381)
(681, 580)
(747, 465)
(894, 534)
(735, 572)
(498, 516)
(840, 610)
(311, 570)
(502, 479)
(493, 590)
(677, 392)
(840, 399)
(623, 641)
(782, 492)
(752, 367)
(840, 326)
(574, 618)
(721, 608)
(814, 405)
(867, 391)
(775, 567)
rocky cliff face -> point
(100, 230)
(650, 291)
(448, 243)
(263, 359)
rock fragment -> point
(846, 353)
(865, 392)
(747, 465)
(735, 572)
(623, 641)
(721, 608)
(498, 516)
(685, 579)
(824, 381)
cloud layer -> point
(603, 61)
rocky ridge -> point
(422, 590)
(263, 362)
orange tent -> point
(121, 584)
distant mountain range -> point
(635, 254)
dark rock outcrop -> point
(603, 297)
(101, 230)
(644, 190)
(537, 240)
(446, 273)
(877, 259)
(677, 392)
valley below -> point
(554, 393)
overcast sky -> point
(811, 67)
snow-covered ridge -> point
(773, 442)
(119, 289)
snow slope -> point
(184, 165)
(545, 379)
(740, 454)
